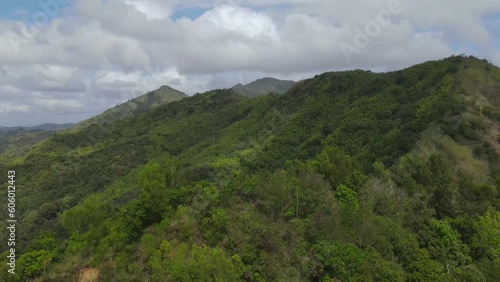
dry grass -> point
(480, 84)
(88, 275)
(462, 156)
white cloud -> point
(242, 21)
(10, 108)
(56, 104)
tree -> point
(194, 263)
(337, 166)
(340, 261)
(347, 197)
(152, 182)
(486, 240)
(444, 244)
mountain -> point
(44, 127)
(263, 86)
(8, 128)
(17, 141)
(348, 176)
(136, 106)
(51, 127)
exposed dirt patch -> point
(88, 275)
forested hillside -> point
(17, 142)
(349, 176)
(136, 106)
(263, 86)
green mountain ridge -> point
(263, 86)
(164, 95)
(16, 141)
(51, 126)
(44, 127)
(348, 176)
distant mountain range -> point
(42, 127)
(156, 98)
(263, 86)
(167, 94)
(17, 140)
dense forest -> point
(348, 176)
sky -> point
(67, 60)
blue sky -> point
(190, 13)
(10, 9)
(492, 23)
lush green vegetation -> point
(349, 176)
(17, 142)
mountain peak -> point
(161, 96)
(166, 87)
(267, 79)
(263, 86)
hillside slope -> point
(17, 141)
(51, 126)
(349, 176)
(136, 106)
(263, 86)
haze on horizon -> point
(67, 60)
